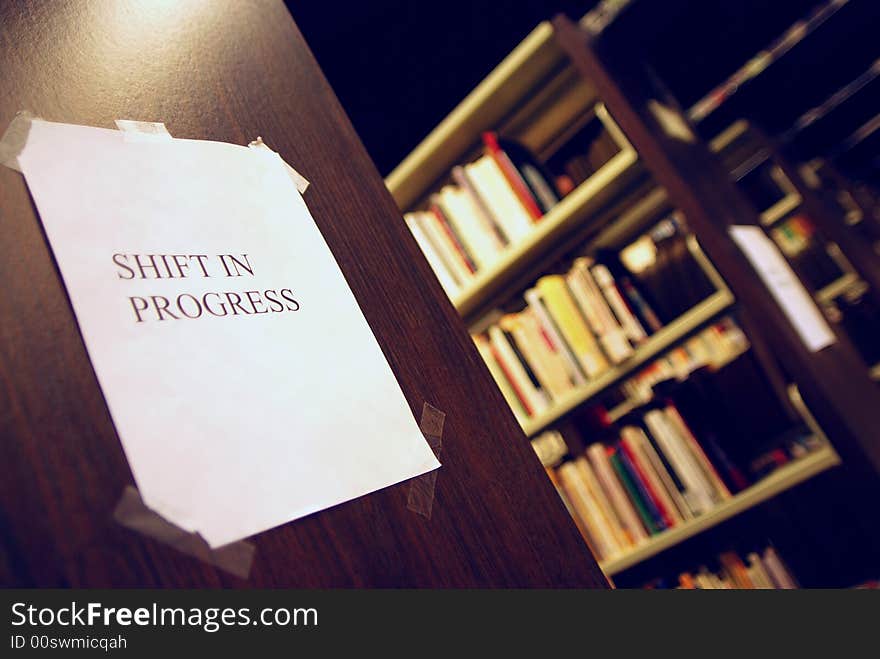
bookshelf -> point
(655, 171)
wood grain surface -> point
(233, 70)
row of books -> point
(574, 327)
(493, 203)
(759, 570)
(653, 471)
(652, 477)
(577, 325)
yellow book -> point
(571, 324)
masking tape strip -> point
(421, 488)
(298, 179)
(143, 131)
(131, 512)
(14, 139)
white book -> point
(757, 573)
(615, 349)
(777, 570)
(536, 304)
(609, 517)
(500, 378)
(546, 364)
(626, 513)
(628, 321)
(665, 477)
(444, 246)
(447, 281)
(697, 490)
(462, 212)
(705, 464)
(632, 437)
(492, 186)
(536, 399)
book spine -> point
(552, 335)
(492, 227)
(504, 383)
(609, 518)
(626, 512)
(563, 310)
(447, 280)
(454, 240)
(511, 173)
(631, 438)
(444, 247)
(532, 397)
(641, 472)
(708, 468)
(625, 317)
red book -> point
(516, 389)
(637, 465)
(511, 173)
(460, 250)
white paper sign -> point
(243, 380)
(785, 287)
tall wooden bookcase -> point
(555, 76)
(232, 71)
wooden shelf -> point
(780, 480)
(657, 343)
(582, 202)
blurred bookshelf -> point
(559, 282)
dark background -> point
(399, 67)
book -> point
(551, 333)
(461, 211)
(668, 479)
(601, 538)
(504, 384)
(535, 354)
(614, 490)
(635, 496)
(595, 308)
(446, 278)
(761, 570)
(444, 246)
(491, 185)
(573, 328)
(757, 574)
(483, 213)
(698, 492)
(533, 399)
(609, 517)
(632, 446)
(454, 239)
(552, 359)
(777, 570)
(512, 174)
(628, 321)
(659, 522)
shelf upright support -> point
(833, 379)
